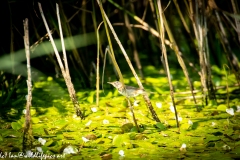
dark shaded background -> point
(14, 12)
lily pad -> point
(16, 126)
(160, 126)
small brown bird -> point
(129, 91)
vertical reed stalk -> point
(98, 50)
(164, 58)
(27, 132)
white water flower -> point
(183, 147)
(213, 123)
(69, 150)
(105, 121)
(159, 104)
(238, 109)
(24, 111)
(230, 111)
(85, 139)
(179, 119)
(42, 141)
(190, 122)
(75, 117)
(88, 123)
(226, 147)
(135, 103)
(172, 108)
(39, 149)
(121, 153)
(94, 109)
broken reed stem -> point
(65, 74)
(27, 133)
(146, 98)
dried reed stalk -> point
(27, 132)
(65, 71)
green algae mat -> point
(207, 131)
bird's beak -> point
(110, 82)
